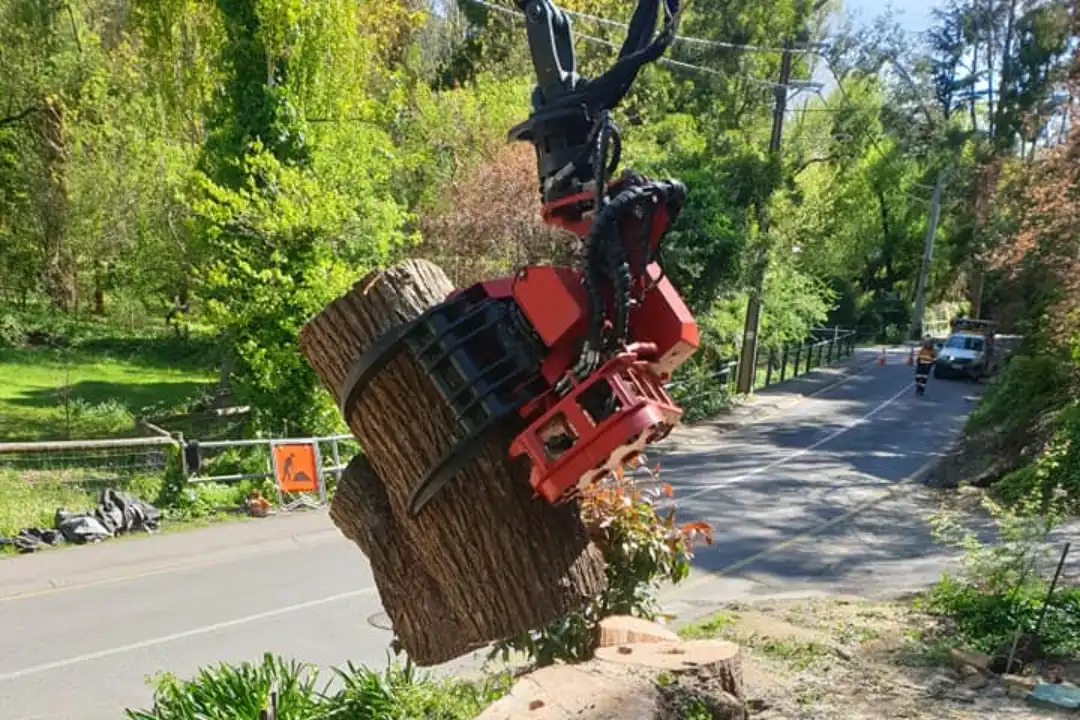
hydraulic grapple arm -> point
(565, 366)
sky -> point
(913, 15)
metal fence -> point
(221, 461)
(774, 365)
(796, 359)
(227, 461)
(103, 459)
(233, 461)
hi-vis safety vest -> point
(926, 355)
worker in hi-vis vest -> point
(926, 357)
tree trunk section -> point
(639, 681)
(484, 560)
(627, 629)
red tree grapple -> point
(565, 366)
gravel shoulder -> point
(851, 658)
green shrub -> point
(193, 501)
(986, 620)
(700, 392)
(240, 692)
(12, 332)
(401, 693)
(1002, 584)
(1055, 471)
(87, 421)
(1028, 386)
(642, 549)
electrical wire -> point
(663, 60)
(815, 52)
(678, 38)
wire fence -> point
(125, 457)
(238, 460)
(773, 365)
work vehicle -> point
(564, 365)
(968, 352)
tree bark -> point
(59, 262)
(484, 560)
(623, 683)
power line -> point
(797, 85)
(802, 50)
(701, 68)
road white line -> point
(798, 453)
(100, 654)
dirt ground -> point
(852, 659)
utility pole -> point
(928, 255)
(748, 355)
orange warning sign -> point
(295, 467)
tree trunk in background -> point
(101, 271)
(484, 560)
(59, 263)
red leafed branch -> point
(488, 221)
(1045, 251)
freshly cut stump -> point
(484, 560)
(625, 629)
(638, 681)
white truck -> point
(969, 350)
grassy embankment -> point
(84, 378)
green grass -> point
(225, 692)
(32, 499)
(106, 384)
(708, 628)
(798, 654)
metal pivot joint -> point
(568, 110)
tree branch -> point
(17, 117)
(807, 163)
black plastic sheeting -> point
(117, 513)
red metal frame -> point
(663, 335)
(645, 414)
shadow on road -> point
(815, 480)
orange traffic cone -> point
(910, 358)
(881, 357)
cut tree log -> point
(484, 560)
(626, 629)
(638, 681)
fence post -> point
(798, 361)
(337, 458)
(809, 357)
(829, 355)
(768, 370)
(820, 351)
(783, 362)
(183, 455)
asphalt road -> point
(81, 629)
